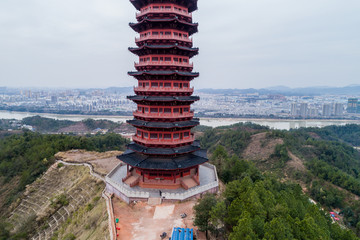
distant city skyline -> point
(247, 44)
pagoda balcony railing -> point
(164, 63)
(164, 89)
(163, 37)
(169, 10)
(164, 115)
(189, 139)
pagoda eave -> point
(139, 98)
(164, 125)
(174, 49)
(172, 23)
(190, 4)
(164, 73)
(146, 162)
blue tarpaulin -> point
(182, 234)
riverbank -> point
(281, 124)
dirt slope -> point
(260, 148)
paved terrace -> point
(208, 183)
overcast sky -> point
(243, 44)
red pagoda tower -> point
(163, 154)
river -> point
(281, 124)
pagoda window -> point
(167, 33)
(155, 7)
(167, 7)
(153, 136)
(168, 85)
(176, 34)
(160, 136)
(176, 59)
(161, 84)
(186, 134)
(176, 110)
(139, 109)
(167, 136)
(154, 84)
(176, 85)
(176, 136)
(155, 33)
(167, 110)
(186, 85)
(153, 110)
(168, 59)
(185, 60)
(186, 109)
(155, 59)
(146, 135)
(146, 110)
(147, 84)
(138, 133)
(185, 35)
(160, 110)
(148, 59)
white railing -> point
(128, 193)
(190, 192)
(195, 190)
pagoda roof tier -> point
(173, 49)
(138, 98)
(167, 125)
(190, 4)
(190, 75)
(164, 151)
(143, 161)
(165, 23)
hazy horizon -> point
(247, 44)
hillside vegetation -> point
(24, 157)
(322, 161)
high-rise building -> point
(294, 109)
(164, 154)
(338, 109)
(326, 112)
(303, 109)
(313, 112)
(352, 105)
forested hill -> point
(271, 175)
(24, 157)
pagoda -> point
(164, 153)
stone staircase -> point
(154, 201)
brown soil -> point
(295, 163)
(139, 221)
(260, 148)
(103, 163)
